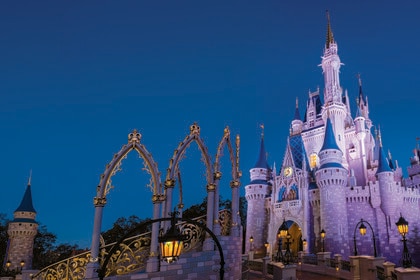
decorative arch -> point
(173, 169)
(150, 166)
(105, 185)
(236, 174)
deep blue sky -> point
(77, 76)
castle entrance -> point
(289, 241)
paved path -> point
(300, 275)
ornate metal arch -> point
(179, 153)
(150, 166)
(233, 156)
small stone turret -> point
(21, 232)
(255, 193)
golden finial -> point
(134, 137)
(195, 129)
(330, 37)
(297, 102)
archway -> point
(105, 185)
(234, 183)
(291, 243)
(173, 171)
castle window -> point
(312, 160)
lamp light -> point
(402, 225)
(171, 244)
(362, 229)
(283, 229)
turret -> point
(331, 178)
(363, 105)
(297, 122)
(21, 232)
(256, 193)
(361, 133)
(387, 186)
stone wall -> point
(196, 265)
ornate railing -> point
(132, 254)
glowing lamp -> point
(171, 245)
(322, 233)
(402, 225)
(362, 229)
(283, 229)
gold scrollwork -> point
(225, 221)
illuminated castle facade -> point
(334, 173)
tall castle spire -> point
(330, 36)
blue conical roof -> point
(262, 158)
(383, 165)
(329, 139)
(26, 203)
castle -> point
(334, 173)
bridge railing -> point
(132, 255)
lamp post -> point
(170, 242)
(251, 249)
(288, 254)
(402, 225)
(282, 233)
(22, 264)
(267, 247)
(8, 264)
(362, 230)
(251, 241)
(322, 233)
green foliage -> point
(123, 226)
(3, 240)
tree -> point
(3, 239)
(121, 227)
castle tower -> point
(389, 190)
(21, 232)
(333, 99)
(255, 193)
(331, 179)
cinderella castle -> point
(334, 173)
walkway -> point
(300, 275)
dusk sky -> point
(77, 76)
